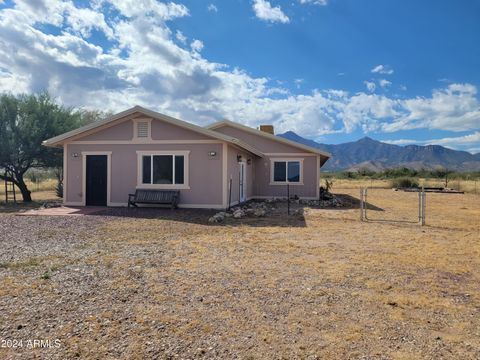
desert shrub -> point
(404, 182)
(59, 190)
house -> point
(212, 167)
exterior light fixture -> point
(212, 153)
(75, 155)
(239, 158)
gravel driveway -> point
(163, 284)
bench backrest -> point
(155, 195)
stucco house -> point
(212, 167)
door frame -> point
(242, 182)
(84, 174)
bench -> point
(153, 196)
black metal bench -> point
(153, 196)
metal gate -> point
(380, 204)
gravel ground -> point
(148, 284)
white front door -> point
(243, 182)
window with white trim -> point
(163, 169)
(286, 171)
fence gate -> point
(380, 204)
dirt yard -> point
(323, 285)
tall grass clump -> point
(404, 182)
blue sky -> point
(331, 70)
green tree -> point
(26, 121)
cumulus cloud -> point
(197, 45)
(265, 11)
(180, 37)
(314, 2)
(382, 69)
(212, 8)
(370, 85)
(455, 108)
(384, 83)
(144, 64)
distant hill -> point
(374, 155)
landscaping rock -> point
(237, 214)
(217, 218)
(259, 212)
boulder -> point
(259, 212)
(239, 213)
(217, 218)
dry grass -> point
(469, 186)
(328, 286)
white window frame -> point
(286, 160)
(135, 129)
(185, 184)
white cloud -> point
(370, 85)
(456, 142)
(212, 8)
(196, 45)
(82, 21)
(299, 82)
(145, 65)
(384, 83)
(265, 11)
(455, 108)
(133, 8)
(180, 37)
(382, 69)
(314, 2)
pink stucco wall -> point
(263, 177)
(260, 185)
(121, 131)
(205, 173)
(160, 130)
(233, 172)
(165, 131)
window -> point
(287, 171)
(163, 169)
(142, 128)
(280, 171)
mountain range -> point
(374, 155)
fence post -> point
(365, 203)
(424, 206)
(361, 204)
(420, 207)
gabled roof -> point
(60, 139)
(268, 136)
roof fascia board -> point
(268, 136)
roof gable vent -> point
(142, 129)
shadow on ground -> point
(276, 218)
(348, 203)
